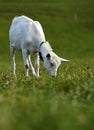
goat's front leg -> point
(12, 53)
(37, 65)
(26, 63)
(31, 66)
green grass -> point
(65, 101)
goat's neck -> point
(44, 50)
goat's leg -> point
(26, 63)
(31, 66)
(12, 53)
(37, 64)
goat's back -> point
(24, 30)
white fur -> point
(26, 35)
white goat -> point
(28, 36)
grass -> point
(63, 102)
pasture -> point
(45, 103)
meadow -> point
(60, 103)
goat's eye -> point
(52, 64)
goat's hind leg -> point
(12, 53)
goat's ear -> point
(64, 60)
(48, 56)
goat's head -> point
(52, 62)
